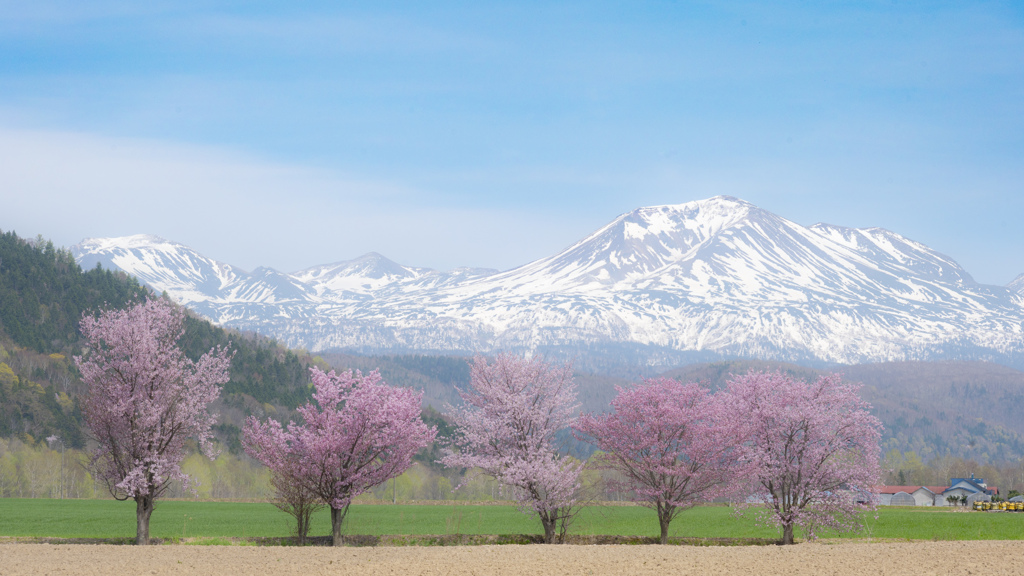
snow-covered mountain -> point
(187, 275)
(659, 285)
(161, 264)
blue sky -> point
(491, 134)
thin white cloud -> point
(245, 211)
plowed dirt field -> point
(840, 558)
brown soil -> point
(843, 558)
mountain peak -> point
(720, 202)
(716, 207)
(705, 218)
(128, 242)
(645, 240)
(368, 272)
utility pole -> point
(51, 440)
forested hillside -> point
(43, 295)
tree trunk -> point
(549, 520)
(337, 517)
(787, 534)
(302, 526)
(665, 513)
(143, 510)
(549, 530)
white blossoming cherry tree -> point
(507, 426)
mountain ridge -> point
(713, 278)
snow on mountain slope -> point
(1017, 285)
(363, 275)
(187, 275)
(269, 286)
(160, 264)
(717, 276)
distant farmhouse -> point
(974, 488)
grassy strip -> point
(936, 523)
(186, 520)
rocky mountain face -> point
(657, 286)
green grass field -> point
(178, 519)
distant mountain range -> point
(658, 286)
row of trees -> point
(43, 471)
(37, 470)
(907, 468)
(808, 451)
(48, 470)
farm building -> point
(909, 495)
(973, 488)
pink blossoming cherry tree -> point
(145, 400)
(812, 447)
(672, 443)
(358, 433)
(507, 427)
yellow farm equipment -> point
(999, 506)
